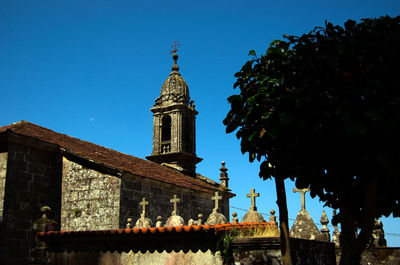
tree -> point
(323, 109)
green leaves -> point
(325, 101)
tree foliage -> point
(323, 109)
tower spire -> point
(174, 117)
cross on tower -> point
(216, 198)
(175, 201)
(303, 196)
(143, 203)
(174, 47)
(253, 196)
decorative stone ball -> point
(175, 220)
(253, 216)
(216, 218)
(143, 222)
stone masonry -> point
(32, 180)
(133, 189)
(90, 199)
(3, 172)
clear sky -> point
(92, 70)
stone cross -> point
(143, 203)
(253, 196)
(303, 196)
(216, 198)
(175, 201)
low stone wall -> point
(148, 258)
(377, 256)
(381, 255)
(267, 251)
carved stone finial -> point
(159, 221)
(198, 222)
(175, 201)
(38, 254)
(129, 223)
(303, 196)
(325, 230)
(223, 176)
(234, 218)
(378, 235)
(45, 210)
(336, 232)
(272, 218)
(44, 224)
(216, 198)
(175, 67)
(253, 196)
(200, 219)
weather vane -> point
(174, 47)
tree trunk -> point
(348, 240)
(283, 220)
(353, 246)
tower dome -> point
(174, 125)
(174, 89)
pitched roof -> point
(108, 157)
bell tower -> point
(174, 120)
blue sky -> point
(92, 69)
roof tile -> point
(220, 228)
(108, 157)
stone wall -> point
(377, 256)
(266, 250)
(148, 258)
(90, 199)
(133, 189)
(33, 179)
(3, 171)
(381, 256)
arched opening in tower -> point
(166, 134)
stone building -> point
(90, 187)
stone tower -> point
(174, 130)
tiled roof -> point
(108, 157)
(215, 229)
(177, 238)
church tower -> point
(174, 130)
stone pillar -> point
(39, 253)
(325, 230)
(336, 232)
(223, 176)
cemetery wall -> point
(155, 258)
